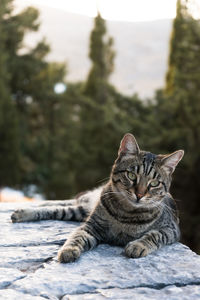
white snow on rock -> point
(29, 268)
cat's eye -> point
(132, 176)
(154, 183)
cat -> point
(134, 209)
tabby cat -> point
(134, 209)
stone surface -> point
(29, 268)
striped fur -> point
(134, 209)
(71, 213)
(66, 210)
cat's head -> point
(142, 177)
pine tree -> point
(102, 57)
(183, 81)
(97, 110)
(182, 109)
(105, 114)
(66, 146)
(30, 82)
(9, 143)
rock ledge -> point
(29, 269)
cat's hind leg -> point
(71, 213)
(46, 203)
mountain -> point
(141, 48)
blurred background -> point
(75, 76)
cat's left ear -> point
(129, 145)
(169, 162)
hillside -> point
(141, 48)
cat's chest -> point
(120, 233)
(122, 227)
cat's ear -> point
(129, 145)
(169, 162)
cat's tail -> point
(72, 213)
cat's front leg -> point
(80, 241)
(151, 241)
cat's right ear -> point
(170, 161)
(129, 145)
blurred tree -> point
(68, 142)
(9, 145)
(66, 146)
(97, 115)
(105, 114)
(102, 57)
(180, 113)
(43, 131)
(31, 84)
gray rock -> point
(8, 276)
(29, 267)
(168, 293)
(9, 294)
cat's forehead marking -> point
(144, 164)
(149, 158)
(148, 162)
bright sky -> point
(121, 10)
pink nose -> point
(139, 196)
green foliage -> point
(102, 57)
(105, 114)
(29, 80)
(179, 115)
(9, 146)
(66, 143)
(64, 146)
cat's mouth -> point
(134, 199)
(138, 199)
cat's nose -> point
(139, 196)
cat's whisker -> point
(107, 193)
(103, 180)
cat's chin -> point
(137, 203)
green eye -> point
(154, 183)
(132, 176)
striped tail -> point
(71, 213)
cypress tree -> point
(27, 83)
(102, 58)
(105, 114)
(9, 139)
(182, 106)
(183, 80)
(96, 115)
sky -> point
(119, 10)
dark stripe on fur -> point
(73, 215)
(83, 212)
(63, 214)
(165, 187)
(128, 220)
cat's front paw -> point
(136, 249)
(21, 215)
(68, 254)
